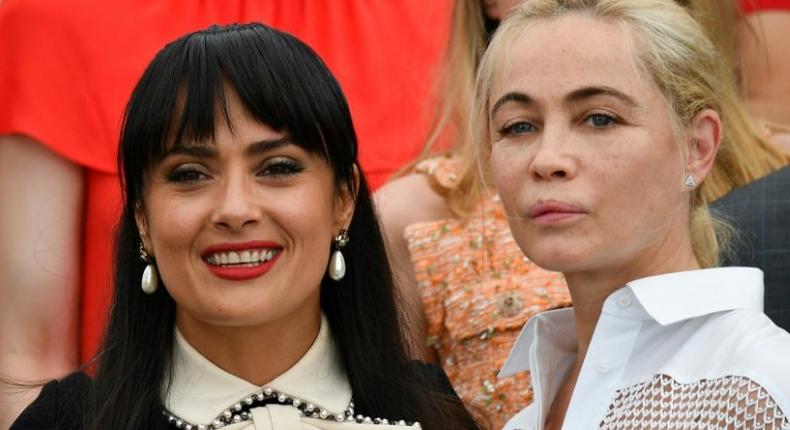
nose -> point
(553, 159)
(236, 205)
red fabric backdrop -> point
(750, 6)
(67, 69)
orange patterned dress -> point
(478, 290)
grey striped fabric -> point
(760, 211)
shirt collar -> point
(679, 296)
(200, 390)
(666, 298)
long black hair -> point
(284, 84)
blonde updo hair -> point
(672, 50)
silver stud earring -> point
(337, 263)
(690, 182)
(150, 281)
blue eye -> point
(600, 120)
(280, 167)
(517, 128)
(186, 174)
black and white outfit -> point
(681, 350)
(313, 395)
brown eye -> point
(280, 167)
(186, 174)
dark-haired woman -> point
(266, 299)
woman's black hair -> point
(284, 84)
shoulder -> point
(760, 350)
(749, 345)
(61, 405)
(410, 199)
(768, 191)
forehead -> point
(554, 56)
(230, 122)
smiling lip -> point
(552, 212)
(241, 271)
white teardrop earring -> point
(337, 263)
(150, 281)
(690, 182)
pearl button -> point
(602, 366)
(624, 301)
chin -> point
(557, 260)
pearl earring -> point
(337, 264)
(690, 182)
(150, 281)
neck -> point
(257, 354)
(590, 288)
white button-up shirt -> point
(680, 349)
(201, 392)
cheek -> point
(175, 223)
(174, 229)
(640, 193)
(307, 218)
(509, 173)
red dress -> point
(751, 6)
(68, 69)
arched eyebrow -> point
(574, 96)
(590, 92)
(267, 145)
(206, 150)
(511, 97)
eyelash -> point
(186, 174)
(280, 168)
(510, 129)
(612, 120)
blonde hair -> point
(680, 59)
(467, 42)
(449, 122)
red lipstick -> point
(238, 270)
(553, 212)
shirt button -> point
(624, 301)
(602, 366)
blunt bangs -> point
(280, 81)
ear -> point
(704, 137)
(345, 202)
(142, 228)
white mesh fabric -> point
(729, 402)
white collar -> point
(666, 299)
(200, 390)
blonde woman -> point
(467, 288)
(601, 123)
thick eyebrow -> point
(267, 145)
(511, 97)
(199, 151)
(210, 151)
(590, 92)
